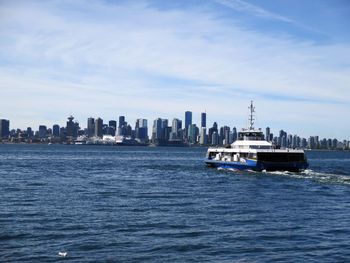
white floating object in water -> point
(62, 254)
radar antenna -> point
(251, 116)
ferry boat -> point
(251, 152)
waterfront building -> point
(188, 120)
(203, 136)
(112, 123)
(29, 132)
(4, 128)
(215, 138)
(176, 128)
(121, 121)
(72, 128)
(211, 131)
(42, 131)
(203, 119)
(98, 127)
(192, 133)
(234, 134)
(157, 130)
(56, 130)
(267, 134)
(141, 130)
(90, 127)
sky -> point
(150, 59)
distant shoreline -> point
(151, 145)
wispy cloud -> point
(104, 59)
(255, 10)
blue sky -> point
(149, 59)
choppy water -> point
(129, 204)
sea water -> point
(144, 204)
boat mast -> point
(251, 116)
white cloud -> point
(91, 58)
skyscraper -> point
(56, 130)
(188, 120)
(203, 138)
(91, 127)
(267, 134)
(157, 130)
(112, 123)
(42, 131)
(4, 128)
(203, 120)
(234, 134)
(98, 127)
(121, 121)
(141, 130)
(175, 127)
(192, 133)
(70, 128)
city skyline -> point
(110, 58)
(163, 132)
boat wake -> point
(307, 174)
(310, 174)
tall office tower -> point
(289, 140)
(211, 131)
(157, 130)
(29, 132)
(188, 120)
(234, 134)
(267, 134)
(203, 119)
(281, 140)
(176, 127)
(203, 138)
(56, 130)
(215, 138)
(192, 133)
(141, 123)
(42, 131)
(71, 127)
(227, 135)
(4, 128)
(141, 129)
(121, 121)
(165, 130)
(334, 143)
(98, 127)
(112, 127)
(90, 127)
(112, 123)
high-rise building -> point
(112, 123)
(42, 131)
(203, 120)
(203, 138)
(98, 127)
(4, 128)
(56, 130)
(176, 127)
(90, 127)
(267, 134)
(215, 138)
(234, 134)
(157, 130)
(141, 130)
(121, 121)
(71, 128)
(192, 133)
(188, 120)
(211, 131)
